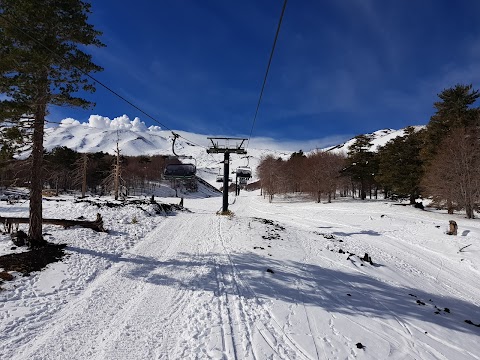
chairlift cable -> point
(93, 78)
(266, 72)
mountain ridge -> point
(133, 142)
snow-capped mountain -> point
(134, 142)
(379, 139)
(135, 139)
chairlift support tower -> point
(228, 146)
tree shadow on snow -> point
(294, 282)
(363, 232)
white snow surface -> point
(195, 285)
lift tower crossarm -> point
(237, 148)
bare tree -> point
(453, 176)
(322, 174)
(80, 172)
(270, 173)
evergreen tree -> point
(400, 165)
(454, 111)
(60, 162)
(361, 163)
(42, 64)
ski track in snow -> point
(195, 286)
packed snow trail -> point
(274, 281)
(175, 295)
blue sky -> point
(341, 67)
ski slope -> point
(195, 285)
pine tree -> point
(42, 64)
(60, 162)
(454, 111)
(361, 163)
(400, 165)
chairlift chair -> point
(244, 172)
(179, 171)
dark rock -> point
(367, 258)
(419, 205)
(419, 302)
(19, 238)
(360, 346)
(472, 323)
(270, 271)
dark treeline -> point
(66, 170)
(440, 161)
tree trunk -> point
(36, 177)
(412, 199)
(450, 207)
(363, 193)
(96, 225)
(469, 211)
(84, 175)
(116, 180)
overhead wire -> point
(266, 72)
(94, 79)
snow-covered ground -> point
(195, 285)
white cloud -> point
(69, 122)
(154, 128)
(119, 123)
(138, 125)
(99, 122)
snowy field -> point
(195, 285)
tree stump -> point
(453, 228)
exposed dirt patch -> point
(33, 260)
